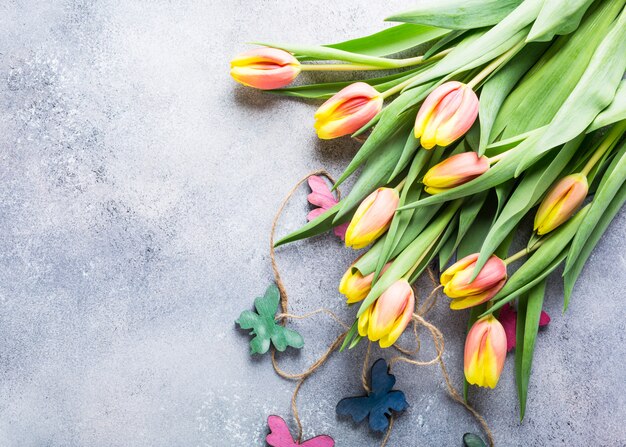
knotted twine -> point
(406, 354)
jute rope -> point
(417, 319)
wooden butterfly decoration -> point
(472, 440)
(264, 326)
(281, 437)
(379, 401)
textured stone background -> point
(137, 188)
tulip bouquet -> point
(490, 114)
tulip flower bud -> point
(265, 68)
(385, 320)
(485, 352)
(454, 171)
(446, 114)
(355, 286)
(464, 294)
(561, 202)
(372, 218)
(347, 111)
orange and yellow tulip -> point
(372, 218)
(354, 286)
(454, 171)
(464, 294)
(561, 203)
(485, 352)
(265, 68)
(385, 320)
(446, 114)
(347, 111)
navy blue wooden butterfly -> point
(378, 403)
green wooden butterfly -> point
(264, 326)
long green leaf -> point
(554, 76)
(497, 88)
(454, 14)
(529, 313)
(319, 225)
(499, 39)
(592, 94)
(558, 17)
(615, 112)
(391, 40)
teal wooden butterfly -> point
(264, 326)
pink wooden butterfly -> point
(508, 319)
(281, 437)
(322, 197)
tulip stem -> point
(394, 63)
(516, 256)
(339, 67)
(524, 252)
(607, 144)
(494, 65)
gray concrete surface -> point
(137, 188)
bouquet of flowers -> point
(487, 115)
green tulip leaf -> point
(264, 326)
(615, 112)
(499, 39)
(319, 225)
(592, 94)
(459, 15)
(528, 314)
(447, 41)
(554, 76)
(391, 40)
(495, 90)
(558, 17)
